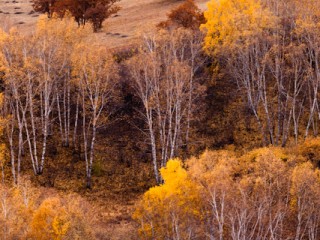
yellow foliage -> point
(173, 173)
(3, 152)
(310, 150)
(93, 63)
(50, 220)
(26, 214)
(305, 186)
(82, 218)
(214, 169)
(208, 160)
(60, 226)
(174, 203)
(231, 23)
(307, 13)
(15, 212)
(220, 189)
(65, 29)
(256, 154)
(3, 36)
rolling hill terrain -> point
(135, 16)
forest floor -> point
(117, 186)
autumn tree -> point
(266, 193)
(32, 83)
(83, 11)
(27, 212)
(167, 87)
(187, 15)
(98, 13)
(305, 202)
(38, 86)
(96, 75)
(170, 210)
(214, 171)
(50, 220)
(236, 29)
(66, 36)
(272, 60)
(13, 61)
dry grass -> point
(135, 17)
(17, 13)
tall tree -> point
(166, 86)
(96, 75)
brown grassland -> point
(123, 28)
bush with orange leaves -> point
(26, 214)
(187, 15)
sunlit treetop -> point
(308, 18)
(65, 29)
(230, 23)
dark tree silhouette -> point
(44, 6)
(97, 14)
(187, 15)
(93, 11)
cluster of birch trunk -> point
(277, 71)
(58, 88)
(163, 76)
(54, 88)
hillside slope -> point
(114, 195)
(135, 16)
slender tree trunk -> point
(68, 113)
(85, 141)
(76, 123)
(94, 130)
(153, 148)
(44, 147)
(33, 144)
(60, 119)
(12, 154)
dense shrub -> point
(30, 213)
(187, 15)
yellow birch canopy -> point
(230, 23)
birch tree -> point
(96, 75)
(163, 79)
